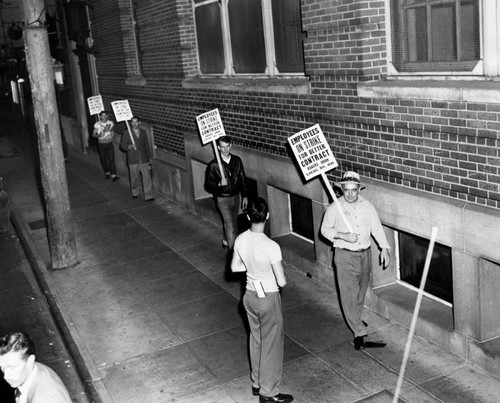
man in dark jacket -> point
(226, 191)
(139, 160)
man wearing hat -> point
(352, 251)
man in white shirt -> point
(34, 382)
(352, 251)
(104, 132)
(261, 258)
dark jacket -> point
(235, 174)
(141, 155)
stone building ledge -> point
(138, 81)
(172, 159)
(396, 303)
(436, 90)
(265, 84)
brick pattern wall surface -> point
(106, 33)
(447, 148)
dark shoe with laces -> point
(255, 391)
(279, 398)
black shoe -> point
(255, 391)
(280, 398)
(151, 199)
(115, 178)
(375, 344)
(134, 197)
(107, 176)
(361, 344)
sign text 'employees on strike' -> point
(215, 112)
(303, 136)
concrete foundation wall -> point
(467, 229)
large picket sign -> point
(95, 104)
(314, 158)
(122, 110)
(210, 126)
(312, 152)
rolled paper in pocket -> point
(259, 289)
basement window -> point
(301, 217)
(252, 188)
(412, 255)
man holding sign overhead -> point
(352, 251)
(226, 190)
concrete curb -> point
(94, 387)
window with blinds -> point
(435, 35)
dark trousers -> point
(138, 171)
(107, 155)
(229, 208)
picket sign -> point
(95, 104)
(314, 158)
(122, 112)
(211, 128)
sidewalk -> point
(23, 303)
(152, 316)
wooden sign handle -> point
(130, 133)
(336, 201)
(217, 155)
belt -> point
(355, 251)
(227, 195)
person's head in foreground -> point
(17, 358)
(257, 210)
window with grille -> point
(251, 37)
(435, 35)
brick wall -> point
(447, 148)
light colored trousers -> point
(353, 274)
(266, 340)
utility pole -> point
(53, 173)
